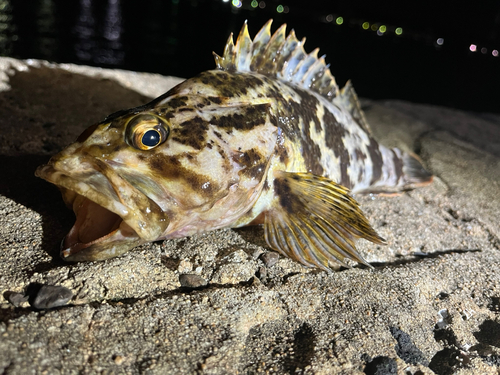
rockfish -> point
(265, 138)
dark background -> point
(177, 37)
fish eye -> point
(145, 132)
(151, 138)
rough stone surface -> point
(429, 305)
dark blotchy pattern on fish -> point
(170, 167)
(246, 118)
(253, 161)
(193, 133)
(376, 158)
(229, 85)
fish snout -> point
(97, 181)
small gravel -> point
(50, 296)
(189, 280)
(17, 298)
(270, 258)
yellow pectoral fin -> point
(315, 221)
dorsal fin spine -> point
(295, 58)
(229, 55)
(286, 50)
(243, 48)
(280, 56)
(259, 45)
(349, 100)
(315, 71)
(218, 61)
(276, 41)
(305, 66)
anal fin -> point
(315, 221)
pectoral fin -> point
(315, 221)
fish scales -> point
(266, 138)
(331, 143)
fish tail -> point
(393, 171)
(414, 173)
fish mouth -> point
(112, 216)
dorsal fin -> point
(348, 99)
(279, 56)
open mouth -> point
(112, 216)
(93, 222)
(97, 233)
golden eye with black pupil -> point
(146, 131)
(151, 138)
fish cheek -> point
(168, 167)
(192, 189)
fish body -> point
(266, 138)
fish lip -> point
(106, 188)
(112, 244)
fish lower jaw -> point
(97, 234)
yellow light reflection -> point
(365, 25)
(399, 31)
(339, 20)
(279, 8)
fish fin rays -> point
(414, 172)
(315, 221)
(348, 99)
(280, 56)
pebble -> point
(262, 273)
(50, 296)
(17, 298)
(189, 280)
(270, 258)
(119, 359)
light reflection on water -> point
(7, 29)
(44, 23)
(99, 45)
(84, 30)
(176, 37)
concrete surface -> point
(430, 305)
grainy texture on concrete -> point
(430, 305)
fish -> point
(266, 138)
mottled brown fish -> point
(265, 138)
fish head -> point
(181, 165)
